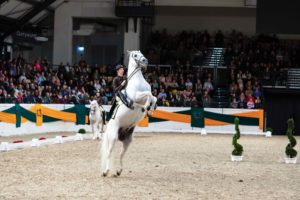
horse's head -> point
(93, 106)
(138, 58)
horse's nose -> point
(145, 60)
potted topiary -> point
(290, 152)
(236, 154)
(269, 132)
(82, 131)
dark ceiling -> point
(26, 15)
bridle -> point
(139, 67)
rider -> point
(119, 83)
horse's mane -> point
(126, 59)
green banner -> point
(197, 117)
(28, 114)
(18, 115)
(249, 121)
(81, 111)
(154, 119)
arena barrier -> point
(17, 119)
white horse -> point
(96, 119)
(124, 119)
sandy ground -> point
(157, 166)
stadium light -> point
(80, 48)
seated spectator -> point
(22, 78)
(19, 97)
(162, 94)
(208, 85)
(258, 103)
(194, 102)
(155, 84)
(250, 102)
(249, 91)
(198, 87)
(234, 103)
(189, 84)
(97, 85)
(257, 92)
(206, 99)
(174, 85)
(108, 94)
(165, 102)
(47, 98)
(242, 101)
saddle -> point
(124, 98)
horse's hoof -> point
(143, 109)
(149, 113)
(119, 172)
(104, 174)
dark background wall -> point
(279, 105)
(278, 16)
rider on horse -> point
(119, 83)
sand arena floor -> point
(157, 166)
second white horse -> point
(96, 119)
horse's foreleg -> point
(126, 144)
(141, 95)
(153, 104)
(101, 130)
(93, 131)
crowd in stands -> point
(21, 82)
(257, 61)
(252, 62)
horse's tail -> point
(104, 150)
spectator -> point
(258, 103)
(162, 94)
(208, 86)
(234, 102)
(207, 100)
(242, 101)
(250, 102)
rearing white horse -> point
(122, 124)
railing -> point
(134, 8)
(215, 70)
(136, 3)
(162, 68)
(275, 79)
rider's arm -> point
(116, 83)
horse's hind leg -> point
(108, 144)
(126, 144)
(100, 131)
(93, 131)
